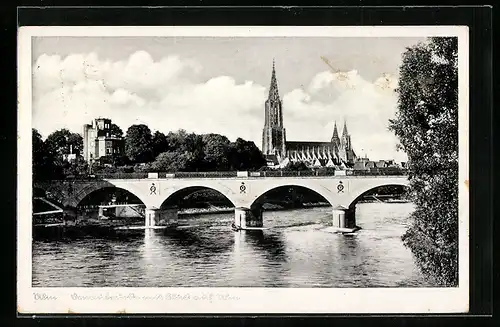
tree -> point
(216, 148)
(75, 141)
(138, 144)
(176, 140)
(38, 147)
(245, 155)
(171, 162)
(159, 143)
(98, 168)
(45, 165)
(42, 163)
(195, 147)
(57, 142)
(62, 141)
(189, 146)
(426, 124)
(296, 166)
(115, 159)
(78, 167)
(115, 130)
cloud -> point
(168, 94)
(366, 106)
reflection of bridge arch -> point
(173, 198)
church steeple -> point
(335, 137)
(273, 135)
(344, 131)
(346, 138)
(273, 88)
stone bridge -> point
(245, 192)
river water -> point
(298, 250)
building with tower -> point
(337, 152)
(99, 140)
(274, 134)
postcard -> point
(243, 169)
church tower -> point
(273, 135)
(346, 152)
(335, 137)
(346, 138)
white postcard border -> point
(34, 300)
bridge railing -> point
(233, 174)
(208, 174)
(135, 175)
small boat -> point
(139, 227)
(254, 228)
(235, 228)
(239, 228)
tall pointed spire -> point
(273, 135)
(335, 132)
(346, 138)
(344, 131)
(273, 88)
(335, 137)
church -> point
(278, 151)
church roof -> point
(298, 145)
(351, 155)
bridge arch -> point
(174, 199)
(82, 193)
(317, 189)
(360, 193)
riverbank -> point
(56, 219)
(266, 207)
(89, 225)
(275, 207)
(92, 226)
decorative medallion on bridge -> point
(243, 188)
(340, 187)
(152, 189)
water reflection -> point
(296, 251)
(194, 243)
(271, 245)
(352, 251)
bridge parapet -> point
(244, 174)
(241, 188)
(246, 190)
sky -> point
(220, 84)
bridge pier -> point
(245, 217)
(161, 217)
(344, 219)
(69, 214)
(101, 212)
